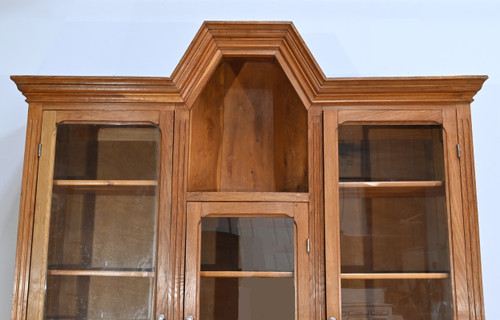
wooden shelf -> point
(392, 188)
(248, 196)
(393, 276)
(101, 273)
(246, 274)
(107, 186)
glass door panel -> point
(247, 244)
(101, 249)
(249, 266)
(393, 223)
(246, 263)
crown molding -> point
(216, 41)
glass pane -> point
(83, 297)
(100, 226)
(91, 230)
(394, 228)
(247, 244)
(247, 299)
(393, 234)
(105, 152)
(396, 299)
(390, 153)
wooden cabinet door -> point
(247, 260)
(103, 195)
(394, 226)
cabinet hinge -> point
(308, 245)
(39, 150)
(459, 151)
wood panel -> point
(248, 209)
(42, 218)
(206, 136)
(248, 196)
(101, 273)
(246, 134)
(247, 140)
(392, 188)
(245, 274)
(179, 218)
(290, 137)
(394, 276)
(332, 218)
(99, 116)
(164, 256)
(469, 204)
(457, 241)
(390, 116)
(302, 268)
(317, 229)
(26, 213)
(192, 259)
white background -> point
(347, 38)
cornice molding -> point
(278, 40)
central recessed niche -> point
(248, 131)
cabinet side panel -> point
(26, 212)
(206, 136)
(470, 213)
(458, 252)
(38, 266)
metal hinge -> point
(39, 150)
(308, 245)
(459, 151)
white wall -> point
(348, 38)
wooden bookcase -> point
(248, 186)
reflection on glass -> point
(90, 230)
(106, 152)
(104, 298)
(102, 226)
(390, 153)
(396, 299)
(247, 299)
(247, 244)
(392, 233)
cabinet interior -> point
(248, 131)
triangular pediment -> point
(216, 41)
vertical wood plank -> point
(38, 269)
(206, 136)
(164, 274)
(454, 201)
(193, 247)
(290, 137)
(26, 213)
(302, 281)
(332, 220)
(316, 213)
(469, 205)
(247, 142)
(177, 241)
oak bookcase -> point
(248, 186)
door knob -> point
(160, 317)
(189, 318)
